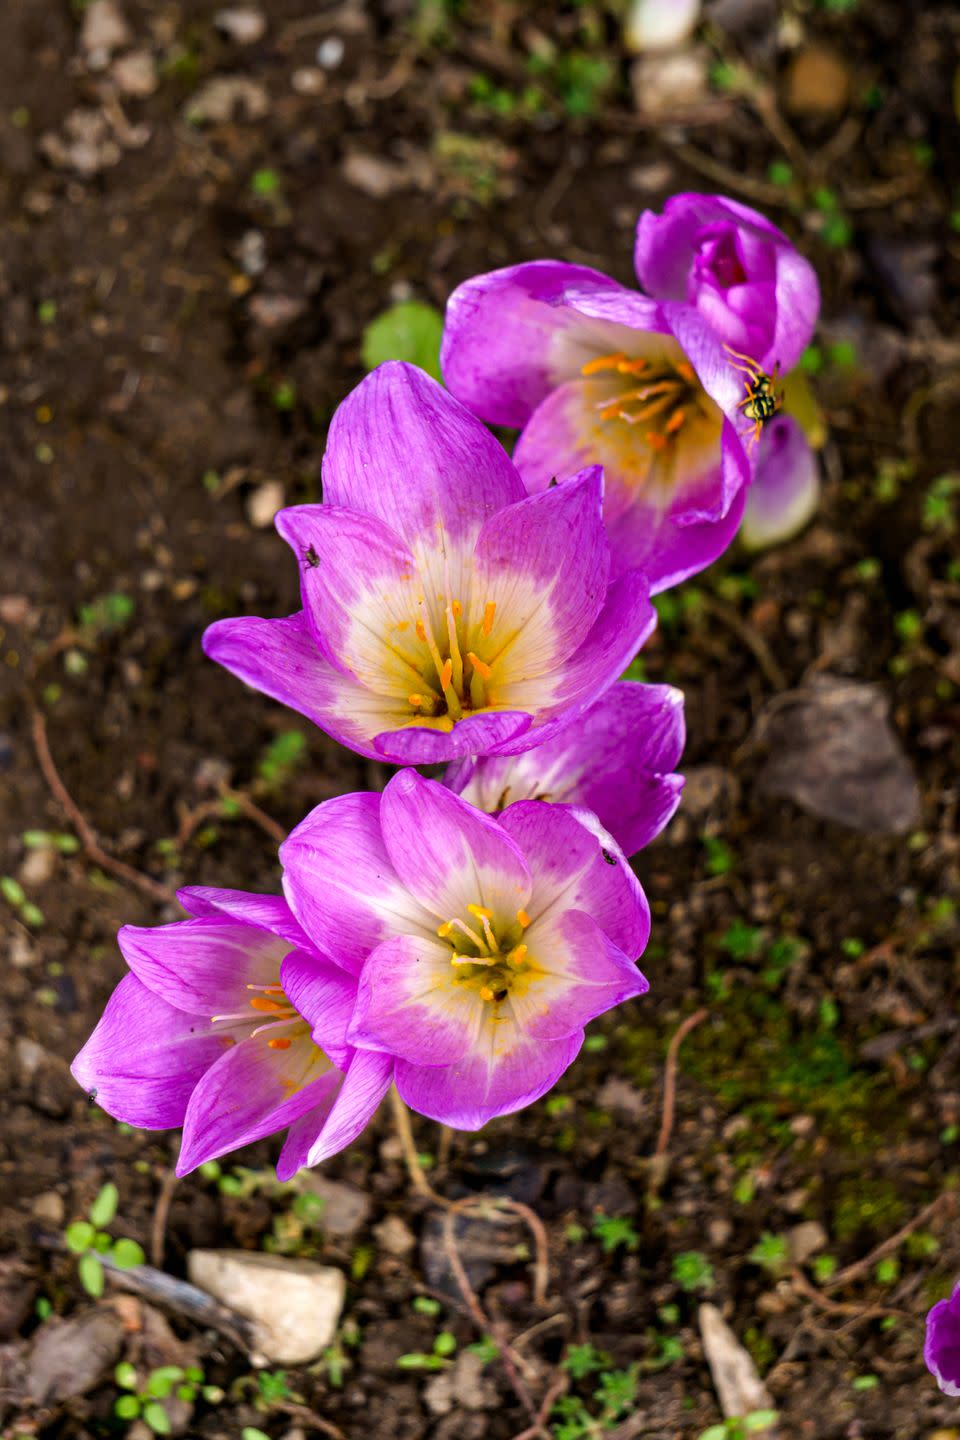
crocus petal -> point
(798, 305)
(447, 854)
(668, 550)
(510, 1072)
(341, 884)
(325, 995)
(335, 1125)
(577, 865)
(786, 487)
(205, 966)
(474, 734)
(665, 243)
(509, 337)
(543, 564)
(145, 1057)
(941, 1350)
(252, 1091)
(266, 912)
(615, 760)
(281, 658)
(359, 588)
(401, 448)
(578, 974)
(414, 1003)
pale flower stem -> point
(418, 1176)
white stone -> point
(135, 74)
(294, 1305)
(395, 1236)
(242, 23)
(39, 866)
(104, 29)
(660, 24)
(664, 85)
(264, 503)
(805, 1239)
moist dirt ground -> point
(197, 222)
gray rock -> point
(294, 1305)
(735, 1378)
(135, 74)
(103, 31)
(345, 1208)
(463, 1387)
(39, 866)
(49, 1208)
(805, 1240)
(665, 85)
(227, 97)
(833, 752)
(394, 1236)
(70, 1357)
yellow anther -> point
(517, 955)
(421, 632)
(402, 625)
(445, 929)
(481, 912)
(281, 1044)
(481, 667)
(457, 609)
(489, 611)
(523, 919)
(485, 992)
(415, 700)
(603, 362)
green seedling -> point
(88, 1240)
(146, 1402)
(692, 1271)
(613, 1231)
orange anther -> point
(269, 1007)
(485, 992)
(481, 666)
(446, 674)
(517, 955)
(602, 362)
(523, 919)
(457, 609)
(489, 610)
(676, 420)
(282, 1044)
(686, 371)
(421, 632)
(415, 700)
(655, 440)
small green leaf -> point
(104, 1208)
(79, 1236)
(445, 1343)
(12, 891)
(715, 1432)
(162, 1381)
(127, 1254)
(91, 1275)
(760, 1419)
(409, 331)
(126, 1407)
(157, 1418)
(126, 1375)
(250, 1432)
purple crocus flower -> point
(482, 945)
(941, 1350)
(741, 273)
(647, 387)
(445, 612)
(786, 487)
(617, 760)
(208, 1031)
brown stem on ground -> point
(88, 840)
(158, 1227)
(659, 1161)
(418, 1176)
(859, 1268)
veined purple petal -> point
(510, 336)
(447, 854)
(251, 1092)
(486, 1082)
(615, 760)
(266, 912)
(413, 1002)
(583, 975)
(341, 884)
(474, 734)
(203, 967)
(401, 448)
(577, 865)
(325, 995)
(786, 487)
(668, 550)
(145, 1058)
(341, 1117)
(941, 1350)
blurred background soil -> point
(203, 206)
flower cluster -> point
(453, 936)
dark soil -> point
(176, 328)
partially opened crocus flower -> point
(618, 760)
(742, 274)
(208, 1031)
(482, 945)
(652, 389)
(446, 612)
(941, 1350)
(786, 487)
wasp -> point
(762, 401)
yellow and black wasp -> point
(762, 400)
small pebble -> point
(330, 52)
(263, 504)
(242, 24)
(135, 74)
